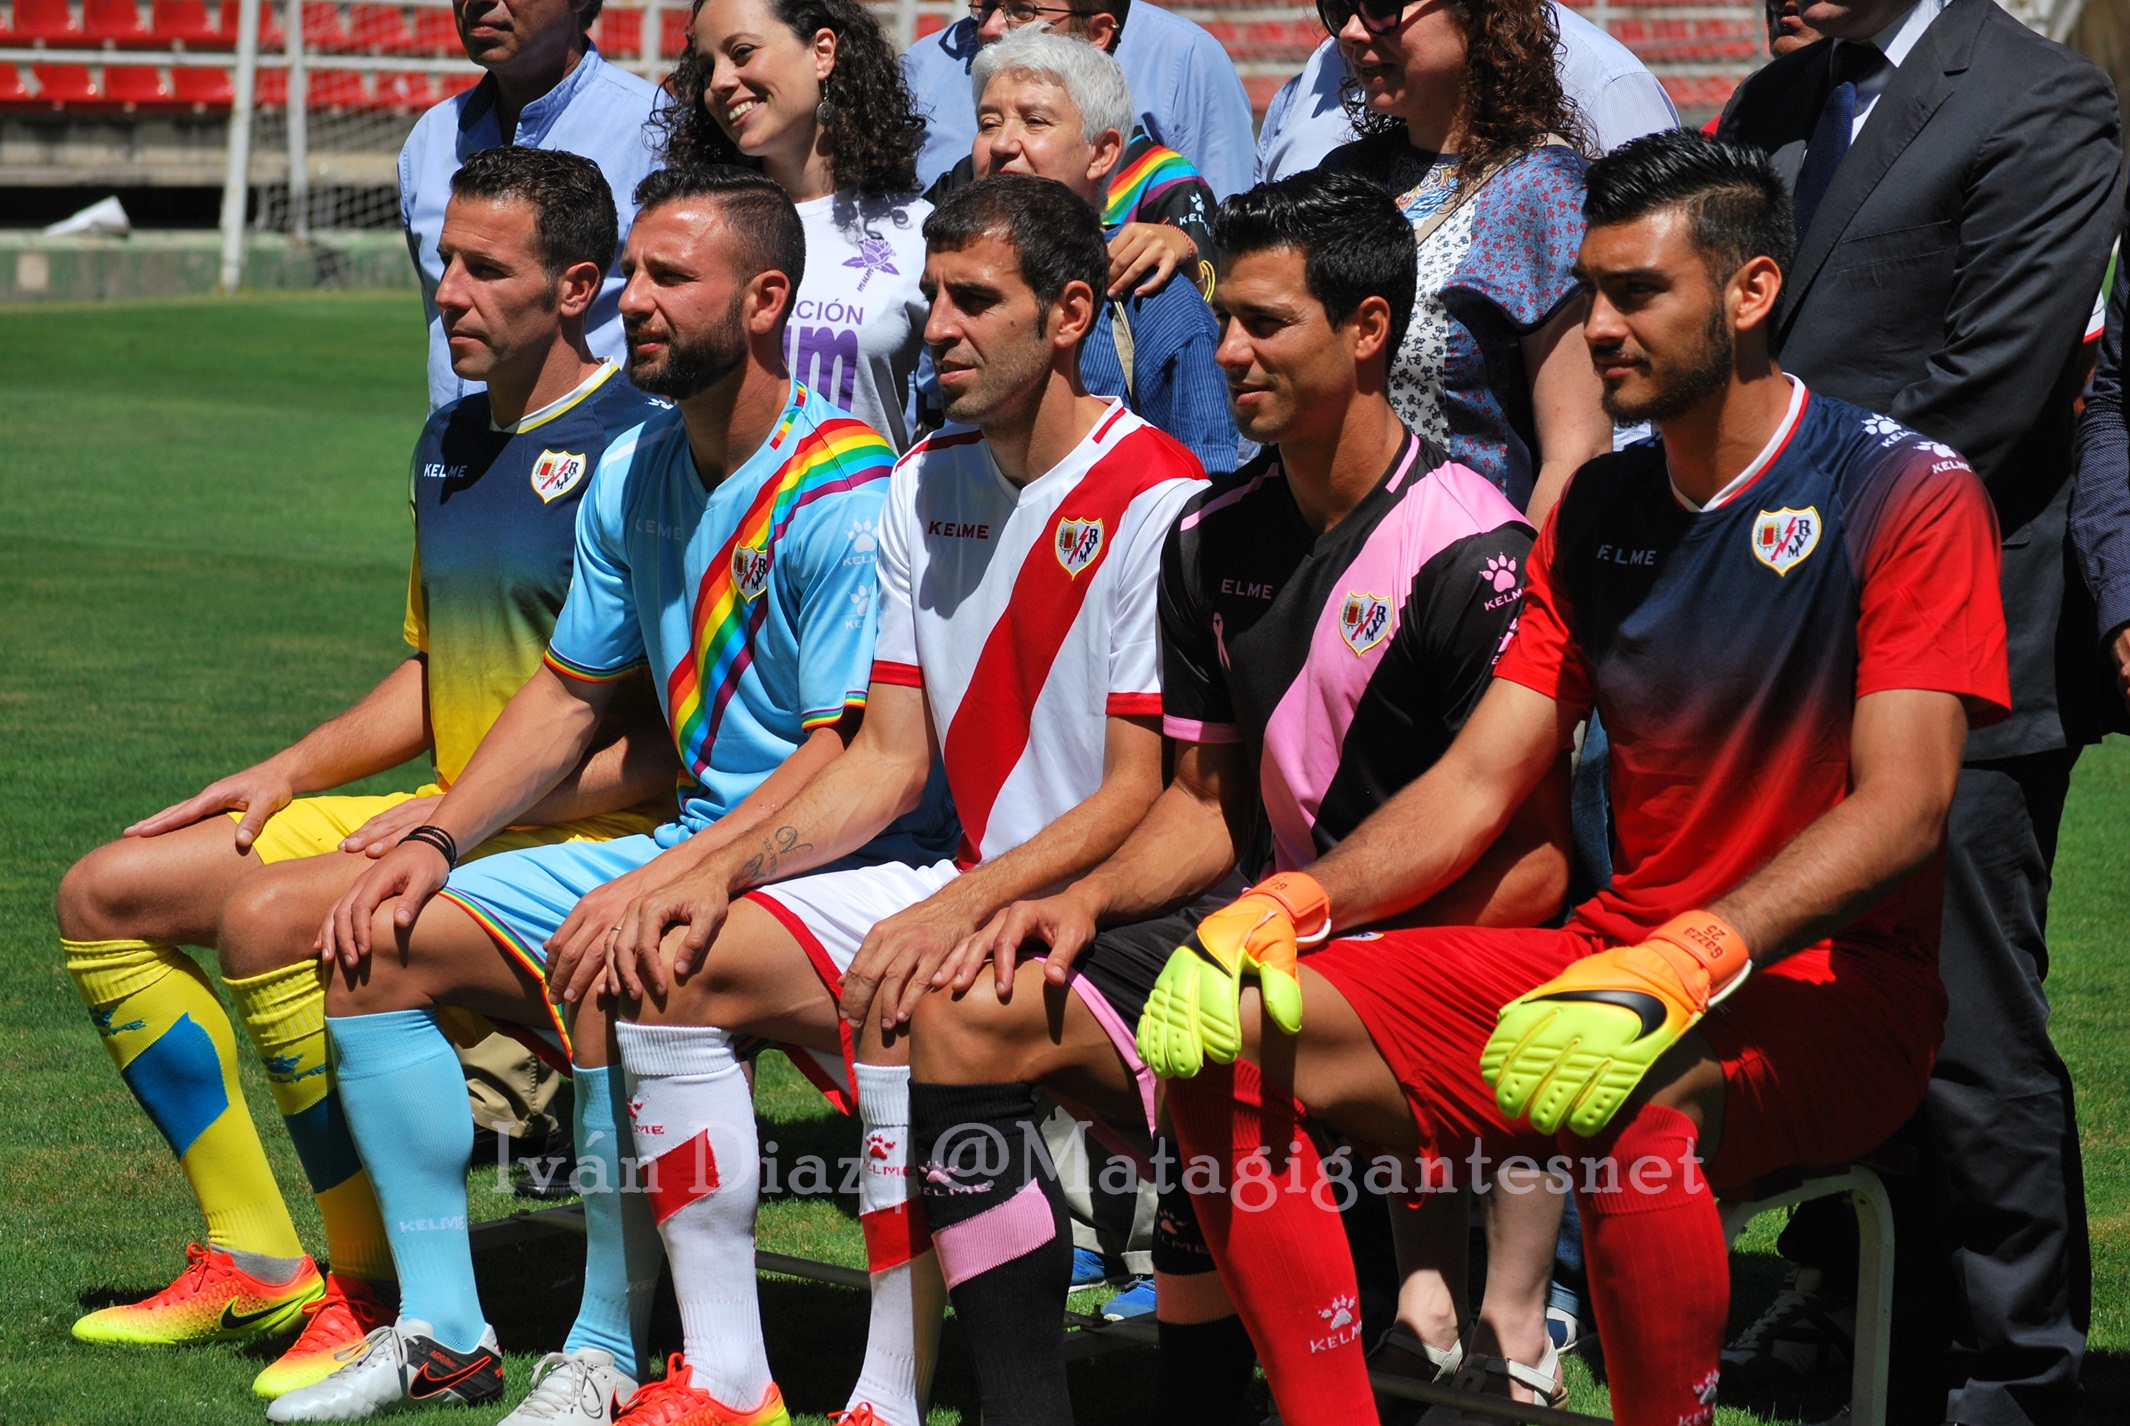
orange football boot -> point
(213, 1300)
(350, 1310)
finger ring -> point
(613, 930)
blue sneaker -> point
(1087, 1270)
(1136, 1300)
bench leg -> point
(1874, 1299)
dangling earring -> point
(824, 112)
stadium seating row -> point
(143, 88)
(201, 25)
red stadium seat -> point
(618, 33)
(187, 25)
(137, 86)
(59, 85)
(377, 29)
(47, 20)
(270, 36)
(450, 86)
(673, 33)
(269, 89)
(13, 92)
(212, 88)
(115, 22)
(322, 27)
(337, 89)
(435, 33)
(410, 92)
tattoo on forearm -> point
(762, 866)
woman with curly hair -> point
(1461, 116)
(808, 91)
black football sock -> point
(1205, 1366)
(998, 1224)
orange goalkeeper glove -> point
(1575, 1048)
(1195, 1011)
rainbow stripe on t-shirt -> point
(836, 455)
(1141, 179)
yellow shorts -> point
(313, 826)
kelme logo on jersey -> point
(556, 473)
(1364, 621)
(1078, 543)
(750, 570)
(1783, 538)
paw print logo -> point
(1886, 429)
(1501, 573)
(1339, 1314)
(1940, 450)
(863, 540)
(635, 1110)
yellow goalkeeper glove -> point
(1195, 1011)
(1575, 1048)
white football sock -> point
(694, 1123)
(908, 1294)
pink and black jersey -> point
(1027, 614)
(1347, 661)
(1726, 646)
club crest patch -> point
(1364, 621)
(1079, 543)
(1783, 538)
(750, 570)
(556, 473)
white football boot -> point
(580, 1388)
(395, 1366)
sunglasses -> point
(1378, 17)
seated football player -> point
(1329, 614)
(1058, 108)
(495, 483)
(1787, 610)
(727, 546)
(1018, 558)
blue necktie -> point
(1829, 144)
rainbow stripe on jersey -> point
(836, 455)
(1141, 179)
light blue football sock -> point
(405, 1099)
(621, 1248)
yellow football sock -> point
(166, 1031)
(284, 1012)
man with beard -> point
(1786, 608)
(248, 866)
(1018, 561)
(729, 548)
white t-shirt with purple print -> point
(857, 330)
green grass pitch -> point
(203, 518)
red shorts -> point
(1823, 1056)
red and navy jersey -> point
(1726, 646)
(1345, 661)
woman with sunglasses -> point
(1462, 117)
(808, 91)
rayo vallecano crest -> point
(1782, 538)
(1078, 543)
(1364, 621)
(556, 473)
(750, 570)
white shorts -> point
(830, 914)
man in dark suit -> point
(1958, 183)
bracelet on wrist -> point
(437, 837)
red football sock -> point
(1659, 1268)
(1278, 1240)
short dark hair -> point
(1055, 231)
(574, 209)
(1739, 208)
(1353, 240)
(589, 13)
(759, 212)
